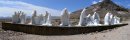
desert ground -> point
(121, 33)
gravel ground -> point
(121, 33)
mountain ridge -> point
(102, 8)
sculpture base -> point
(56, 30)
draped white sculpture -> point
(107, 19)
(82, 21)
(96, 22)
(112, 20)
(19, 17)
(85, 20)
(48, 21)
(64, 18)
(33, 19)
(37, 20)
(23, 18)
(46, 16)
(116, 20)
(89, 20)
(15, 18)
(41, 19)
(96, 19)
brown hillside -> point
(102, 8)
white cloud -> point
(129, 5)
(94, 2)
(100, 0)
(7, 8)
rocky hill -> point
(102, 8)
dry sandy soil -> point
(121, 33)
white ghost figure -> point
(112, 20)
(107, 19)
(22, 18)
(15, 18)
(89, 20)
(38, 20)
(34, 17)
(45, 18)
(41, 19)
(96, 18)
(48, 22)
(96, 22)
(82, 21)
(64, 18)
(116, 20)
(19, 17)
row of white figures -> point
(19, 17)
(46, 20)
(85, 19)
(88, 20)
(110, 19)
(94, 20)
(41, 19)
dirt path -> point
(122, 33)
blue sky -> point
(53, 6)
(72, 5)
